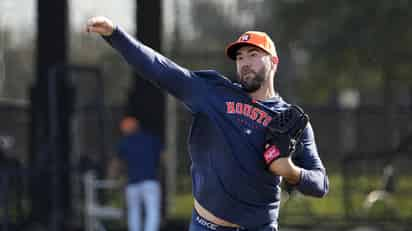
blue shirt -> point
(226, 142)
(141, 152)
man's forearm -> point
(155, 67)
(294, 175)
(313, 183)
(284, 167)
(147, 62)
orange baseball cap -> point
(253, 38)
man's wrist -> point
(293, 177)
(271, 154)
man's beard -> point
(252, 84)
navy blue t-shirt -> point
(141, 152)
(226, 141)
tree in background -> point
(351, 43)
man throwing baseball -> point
(245, 139)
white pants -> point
(147, 194)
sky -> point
(17, 13)
(20, 15)
(122, 14)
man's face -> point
(253, 67)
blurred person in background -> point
(140, 151)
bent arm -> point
(313, 178)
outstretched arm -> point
(149, 64)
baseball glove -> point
(284, 132)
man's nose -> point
(245, 64)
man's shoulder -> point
(211, 75)
(216, 79)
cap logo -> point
(245, 37)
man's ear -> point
(275, 60)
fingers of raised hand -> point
(99, 24)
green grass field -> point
(301, 209)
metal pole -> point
(101, 113)
(3, 201)
(55, 216)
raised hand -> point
(100, 25)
